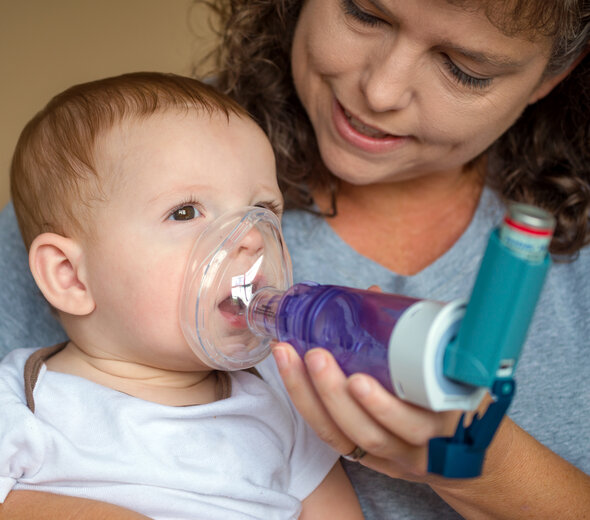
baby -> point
(112, 182)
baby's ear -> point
(57, 264)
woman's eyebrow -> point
(485, 58)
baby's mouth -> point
(364, 129)
(234, 312)
(233, 305)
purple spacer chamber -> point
(356, 325)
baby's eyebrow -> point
(271, 205)
(177, 191)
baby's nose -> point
(252, 243)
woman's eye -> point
(351, 8)
(186, 212)
(466, 79)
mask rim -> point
(198, 337)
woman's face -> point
(397, 90)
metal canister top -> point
(527, 231)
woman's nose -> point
(387, 82)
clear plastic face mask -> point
(237, 254)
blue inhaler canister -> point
(492, 333)
(503, 300)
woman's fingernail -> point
(359, 386)
(281, 357)
(315, 361)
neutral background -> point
(48, 45)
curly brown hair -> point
(543, 159)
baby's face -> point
(167, 177)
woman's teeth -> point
(364, 129)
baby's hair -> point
(53, 176)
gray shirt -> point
(25, 316)
(553, 374)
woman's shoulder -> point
(10, 239)
(26, 316)
(569, 278)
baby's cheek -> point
(148, 293)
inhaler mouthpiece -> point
(237, 255)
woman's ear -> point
(57, 264)
(549, 83)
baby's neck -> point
(168, 387)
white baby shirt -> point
(248, 456)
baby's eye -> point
(185, 212)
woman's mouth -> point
(362, 128)
(362, 136)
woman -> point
(405, 126)
(411, 123)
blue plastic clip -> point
(462, 455)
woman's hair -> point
(53, 177)
(543, 159)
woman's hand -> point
(358, 411)
(521, 478)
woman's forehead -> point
(533, 18)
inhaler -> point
(238, 296)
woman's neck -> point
(168, 387)
(405, 226)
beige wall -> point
(48, 45)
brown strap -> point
(223, 388)
(36, 360)
(254, 371)
(33, 367)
